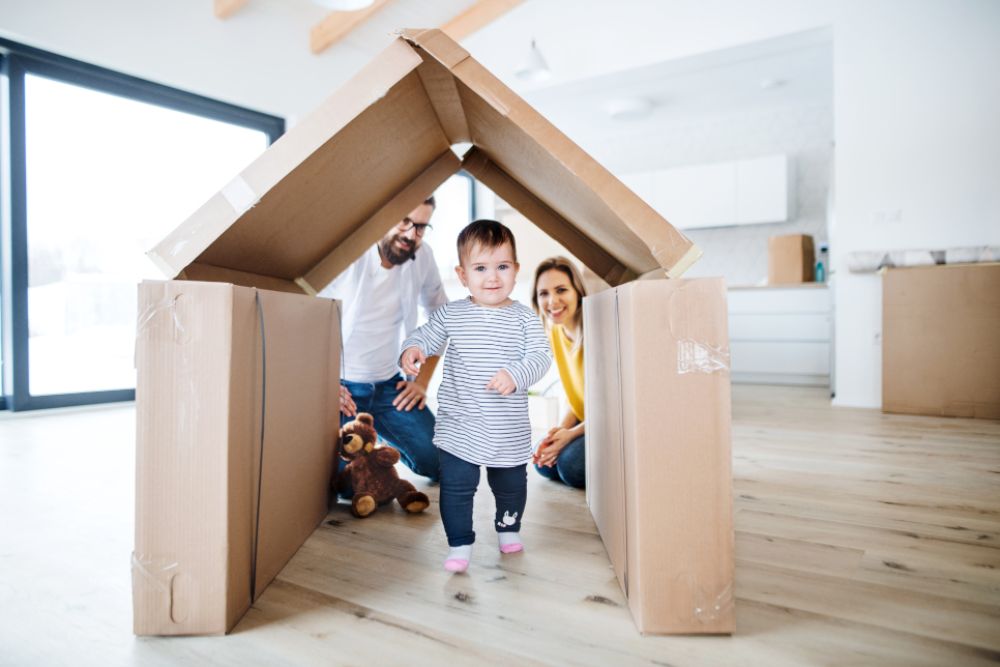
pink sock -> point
(458, 558)
(510, 543)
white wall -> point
(917, 126)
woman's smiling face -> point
(557, 299)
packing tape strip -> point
(240, 195)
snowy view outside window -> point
(107, 178)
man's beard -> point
(395, 255)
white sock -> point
(508, 537)
(463, 552)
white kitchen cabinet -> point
(722, 194)
(763, 190)
(781, 335)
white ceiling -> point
(682, 90)
(691, 58)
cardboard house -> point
(232, 452)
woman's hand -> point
(551, 446)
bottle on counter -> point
(821, 263)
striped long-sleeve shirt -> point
(474, 424)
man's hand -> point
(347, 405)
(502, 382)
(412, 359)
(411, 395)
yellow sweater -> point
(570, 365)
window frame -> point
(17, 60)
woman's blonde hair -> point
(567, 267)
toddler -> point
(496, 350)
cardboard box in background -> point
(941, 340)
(790, 259)
(659, 473)
(204, 366)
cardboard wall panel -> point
(208, 379)
(605, 437)
(673, 492)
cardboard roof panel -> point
(336, 182)
(551, 167)
(313, 209)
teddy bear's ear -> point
(365, 418)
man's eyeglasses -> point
(419, 227)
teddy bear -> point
(370, 471)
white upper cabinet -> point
(763, 190)
(719, 195)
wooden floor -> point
(861, 539)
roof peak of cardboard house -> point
(337, 181)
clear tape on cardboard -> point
(152, 310)
(697, 357)
(181, 337)
(240, 195)
(709, 608)
(157, 574)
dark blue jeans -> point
(570, 467)
(412, 433)
(459, 481)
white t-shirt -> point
(418, 284)
(371, 346)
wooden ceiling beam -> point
(337, 25)
(478, 16)
(226, 8)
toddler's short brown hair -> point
(486, 234)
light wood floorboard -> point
(861, 539)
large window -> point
(101, 166)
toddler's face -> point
(489, 274)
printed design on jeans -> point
(507, 520)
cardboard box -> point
(941, 340)
(327, 190)
(790, 259)
(659, 476)
(213, 522)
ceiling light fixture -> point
(628, 108)
(344, 5)
(534, 68)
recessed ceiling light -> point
(628, 108)
(771, 84)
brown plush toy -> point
(370, 470)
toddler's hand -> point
(502, 382)
(412, 359)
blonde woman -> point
(558, 298)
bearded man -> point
(380, 293)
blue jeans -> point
(570, 467)
(412, 433)
(459, 481)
